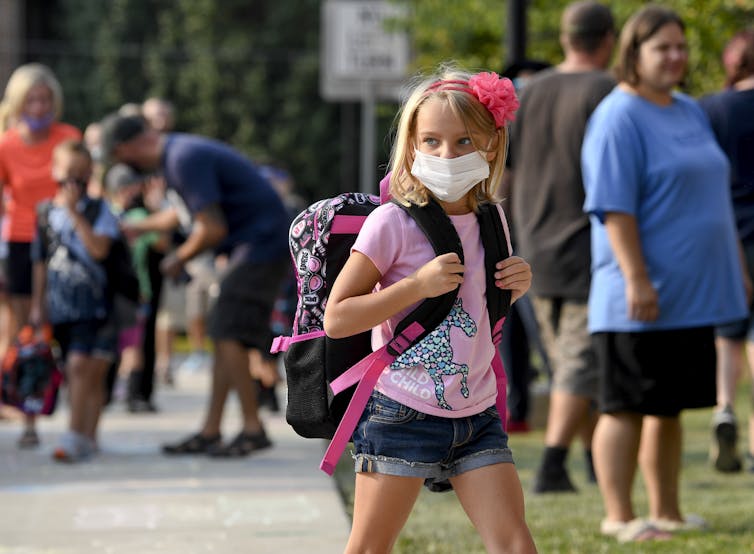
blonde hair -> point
(406, 188)
(21, 81)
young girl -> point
(450, 145)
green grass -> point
(569, 523)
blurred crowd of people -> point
(200, 222)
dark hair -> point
(72, 146)
(738, 57)
(586, 24)
(638, 29)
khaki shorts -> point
(563, 327)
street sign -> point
(358, 47)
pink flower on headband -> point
(496, 94)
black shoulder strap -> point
(495, 245)
(442, 235)
(92, 210)
(43, 226)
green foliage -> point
(248, 72)
(473, 33)
(242, 72)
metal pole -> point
(516, 31)
(368, 131)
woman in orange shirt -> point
(29, 114)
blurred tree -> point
(247, 72)
(243, 72)
(471, 32)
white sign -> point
(362, 45)
(359, 47)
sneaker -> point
(196, 362)
(723, 452)
(553, 479)
(28, 439)
(74, 447)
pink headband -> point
(496, 93)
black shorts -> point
(242, 309)
(18, 269)
(658, 372)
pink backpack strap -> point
(385, 189)
(367, 372)
(500, 378)
(283, 342)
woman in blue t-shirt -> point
(665, 270)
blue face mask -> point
(36, 124)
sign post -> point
(362, 60)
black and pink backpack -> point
(330, 380)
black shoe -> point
(195, 444)
(243, 445)
(552, 480)
(139, 406)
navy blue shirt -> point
(731, 114)
(205, 172)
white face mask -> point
(449, 179)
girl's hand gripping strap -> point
(367, 372)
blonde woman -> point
(29, 121)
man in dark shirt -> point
(236, 212)
(551, 228)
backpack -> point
(122, 282)
(31, 376)
(119, 267)
(330, 380)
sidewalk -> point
(132, 499)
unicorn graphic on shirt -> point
(435, 353)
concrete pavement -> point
(132, 499)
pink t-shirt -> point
(447, 374)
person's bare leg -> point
(95, 401)
(730, 361)
(615, 446)
(234, 358)
(660, 461)
(568, 415)
(221, 384)
(381, 506)
(263, 369)
(78, 391)
(197, 333)
(487, 492)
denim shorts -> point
(92, 338)
(396, 440)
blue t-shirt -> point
(663, 166)
(76, 283)
(205, 172)
(731, 114)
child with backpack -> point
(70, 291)
(432, 418)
